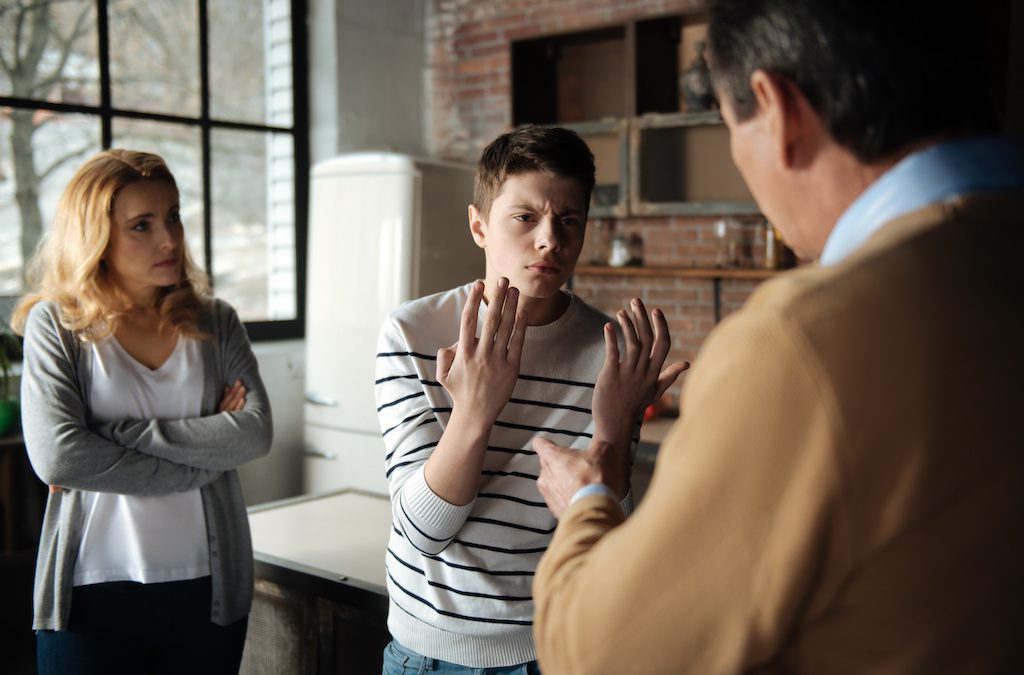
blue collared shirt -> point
(936, 174)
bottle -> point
(599, 242)
(721, 244)
(636, 249)
(618, 255)
(772, 243)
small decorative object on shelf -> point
(721, 243)
(695, 83)
(10, 350)
(636, 249)
(599, 242)
(618, 255)
(772, 243)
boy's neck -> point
(539, 311)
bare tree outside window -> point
(231, 141)
(48, 52)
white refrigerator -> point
(384, 228)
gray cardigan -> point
(141, 457)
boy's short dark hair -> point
(552, 150)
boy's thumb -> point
(445, 358)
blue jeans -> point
(400, 660)
(128, 628)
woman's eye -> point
(174, 218)
(141, 226)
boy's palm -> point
(629, 384)
(480, 373)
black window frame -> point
(284, 329)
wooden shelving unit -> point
(713, 274)
(618, 86)
(681, 272)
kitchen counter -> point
(320, 603)
(339, 537)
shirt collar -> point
(936, 174)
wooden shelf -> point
(681, 272)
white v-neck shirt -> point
(143, 539)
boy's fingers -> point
(629, 338)
(508, 318)
(643, 326)
(611, 347)
(662, 339)
(668, 377)
(467, 328)
(518, 339)
(445, 358)
(493, 318)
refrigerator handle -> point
(310, 451)
(320, 399)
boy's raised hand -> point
(481, 372)
(630, 382)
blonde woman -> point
(140, 397)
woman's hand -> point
(233, 399)
(629, 383)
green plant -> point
(10, 351)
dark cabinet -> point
(658, 151)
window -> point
(211, 85)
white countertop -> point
(344, 533)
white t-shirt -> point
(144, 539)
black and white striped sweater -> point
(460, 577)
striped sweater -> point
(460, 577)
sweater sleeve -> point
(61, 447)
(710, 573)
(411, 430)
(218, 442)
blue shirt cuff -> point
(593, 489)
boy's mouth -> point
(544, 267)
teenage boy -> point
(465, 380)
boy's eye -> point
(174, 218)
(523, 217)
(570, 220)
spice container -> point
(618, 255)
(772, 246)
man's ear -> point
(778, 100)
(477, 226)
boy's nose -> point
(547, 234)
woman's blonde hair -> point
(68, 268)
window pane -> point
(39, 151)
(181, 147)
(253, 223)
(154, 56)
(251, 61)
(66, 68)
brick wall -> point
(469, 84)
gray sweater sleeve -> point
(220, 441)
(61, 447)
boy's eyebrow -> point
(529, 207)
